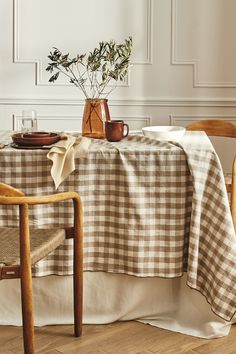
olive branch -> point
(93, 72)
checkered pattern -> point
(150, 209)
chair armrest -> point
(47, 199)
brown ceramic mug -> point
(115, 130)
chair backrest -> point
(214, 127)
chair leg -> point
(27, 313)
(26, 282)
(78, 302)
(78, 268)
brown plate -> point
(27, 147)
(36, 134)
(35, 139)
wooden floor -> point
(117, 338)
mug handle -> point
(127, 128)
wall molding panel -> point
(123, 102)
(149, 40)
(39, 81)
(37, 61)
(76, 120)
(195, 63)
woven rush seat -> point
(42, 242)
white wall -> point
(184, 59)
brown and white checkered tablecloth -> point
(150, 209)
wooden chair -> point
(21, 248)
(225, 129)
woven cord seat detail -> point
(42, 242)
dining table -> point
(159, 241)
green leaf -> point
(54, 77)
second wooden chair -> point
(220, 127)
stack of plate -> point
(34, 140)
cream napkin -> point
(63, 154)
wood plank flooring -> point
(117, 338)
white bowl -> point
(164, 132)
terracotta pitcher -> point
(96, 113)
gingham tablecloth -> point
(150, 209)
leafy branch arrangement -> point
(93, 72)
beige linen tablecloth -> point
(150, 209)
(165, 303)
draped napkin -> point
(63, 154)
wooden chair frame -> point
(12, 196)
(224, 128)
